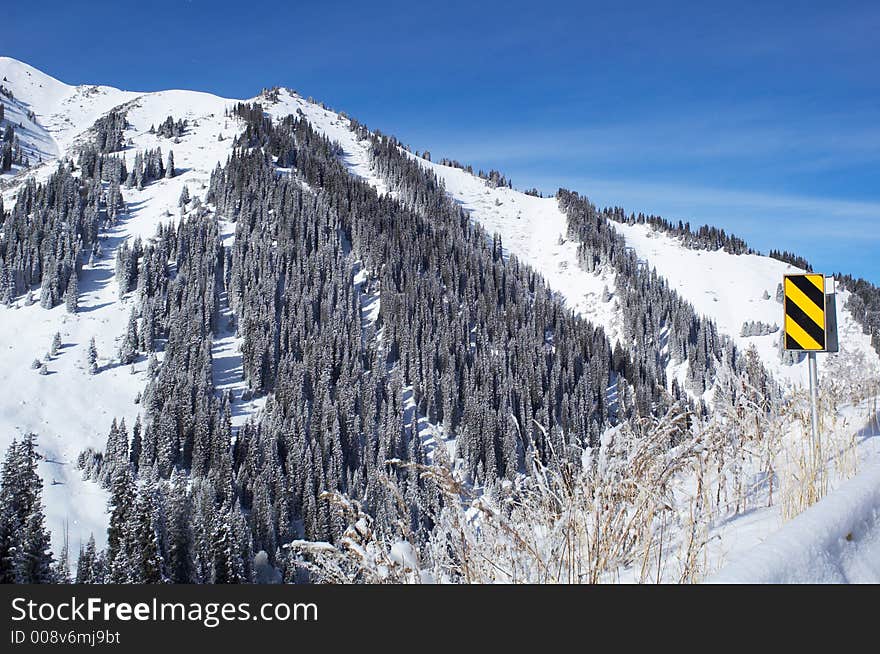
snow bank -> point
(836, 540)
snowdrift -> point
(836, 540)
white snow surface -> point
(759, 546)
(837, 540)
(63, 112)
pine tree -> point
(36, 559)
(184, 198)
(10, 512)
(116, 454)
(25, 548)
(47, 291)
(61, 571)
(122, 500)
(92, 357)
(146, 564)
(89, 567)
(71, 295)
(136, 444)
(128, 347)
(181, 567)
(227, 566)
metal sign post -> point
(811, 327)
(814, 401)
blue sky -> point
(764, 120)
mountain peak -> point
(30, 84)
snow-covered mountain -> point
(72, 409)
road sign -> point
(805, 312)
(811, 327)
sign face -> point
(805, 312)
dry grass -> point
(563, 523)
(640, 507)
(812, 470)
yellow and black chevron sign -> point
(805, 312)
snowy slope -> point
(32, 89)
(836, 540)
(355, 155)
(730, 290)
(726, 288)
(533, 229)
(332, 125)
(34, 139)
(63, 112)
(69, 408)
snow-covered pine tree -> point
(90, 568)
(227, 566)
(181, 566)
(184, 198)
(25, 550)
(71, 295)
(146, 563)
(128, 349)
(61, 571)
(136, 444)
(122, 504)
(92, 357)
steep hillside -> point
(59, 113)
(726, 288)
(69, 408)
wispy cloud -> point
(778, 177)
(813, 216)
(810, 145)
